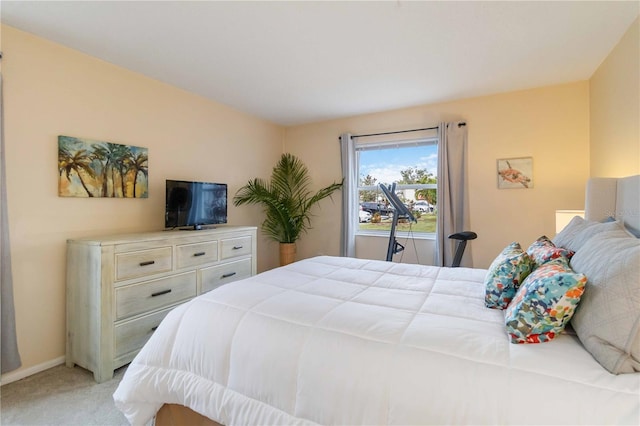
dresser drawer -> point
(216, 276)
(132, 335)
(233, 247)
(143, 262)
(197, 253)
(150, 295)
(120, 287)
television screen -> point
(193, 204)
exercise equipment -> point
(462, 238)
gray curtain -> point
(349, 205)
(8, 341)
(453, 204)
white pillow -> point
(595, 228)
(607, 320)
(565, 237)
(578, 231)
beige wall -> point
(50, 90)
(615, 109)
(550, 124)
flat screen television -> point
(190, 205)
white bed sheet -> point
(345, 341)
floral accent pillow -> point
(545, 303)
(543, 250)
(505, 275)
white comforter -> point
(346, 341)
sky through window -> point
(385, 164)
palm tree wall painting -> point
(88, 168)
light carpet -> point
(61, 396)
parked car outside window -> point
(364, 216)
(422, 206)
(373, 207)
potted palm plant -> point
(287, 202)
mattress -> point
(332, 340)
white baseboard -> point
(22, 373)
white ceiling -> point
(301, 61)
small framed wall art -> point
(514, 173)
(88, 168)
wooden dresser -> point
(120, 287)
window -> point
(412, 165)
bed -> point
(344, 341)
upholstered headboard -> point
(614, 197)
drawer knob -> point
(160, 293)
(237, 247)
(230, 274)
(148, 262)
(201, 253)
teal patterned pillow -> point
(543, 250)
(545, 303)
(505, 275)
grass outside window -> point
(426, 223)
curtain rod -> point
(402, 131)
